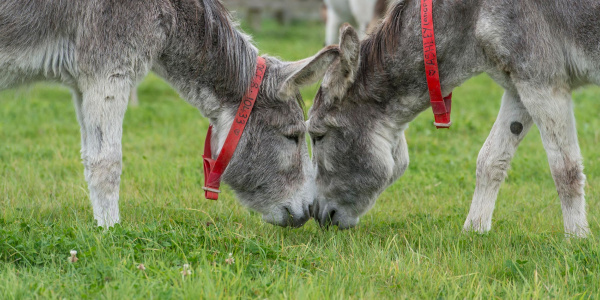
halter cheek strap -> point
(214, 169)
(441, 105)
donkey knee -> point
(492, 167)
(569, 180)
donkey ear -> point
(306, 71)
(349, 52)
(340, 76)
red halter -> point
(441, 105)
(213, 169)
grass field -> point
(409, 246)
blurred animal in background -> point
(283, 11)
(364, 14)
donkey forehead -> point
(320, 123)
(328, 114)
(284, 116)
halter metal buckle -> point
(211, 190)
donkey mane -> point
(381, 8)
(383, 40)
(225, 42)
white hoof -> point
(475, 225)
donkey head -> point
(358, 149)
(271, 171)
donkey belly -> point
(583, 68)
(542, 41)
(36, 40)
(52, 60)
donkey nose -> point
(287, 217)
(333, 216)
(297, 220)
(327, 218)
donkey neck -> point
(208, 60)
(392, 65)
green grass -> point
(409, 246)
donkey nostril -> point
(295, 220)
(314, 210)
(331, 215)
(328, 218)
(290, 216)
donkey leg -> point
(363, 20)
(78, 103)
(333, 27)
(103, 109)
(552, 111)
(363, 13)
(134, 101)
(362, 29)
(510, 128)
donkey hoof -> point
(476, 226)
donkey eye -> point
(293, 137)
(317, 138)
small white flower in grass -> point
(73, 257)
(230, 260)
(141, 267)
(186, 270)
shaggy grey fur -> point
(102, 48)
(537, 50)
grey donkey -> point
(102, 48)
(537, 50)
